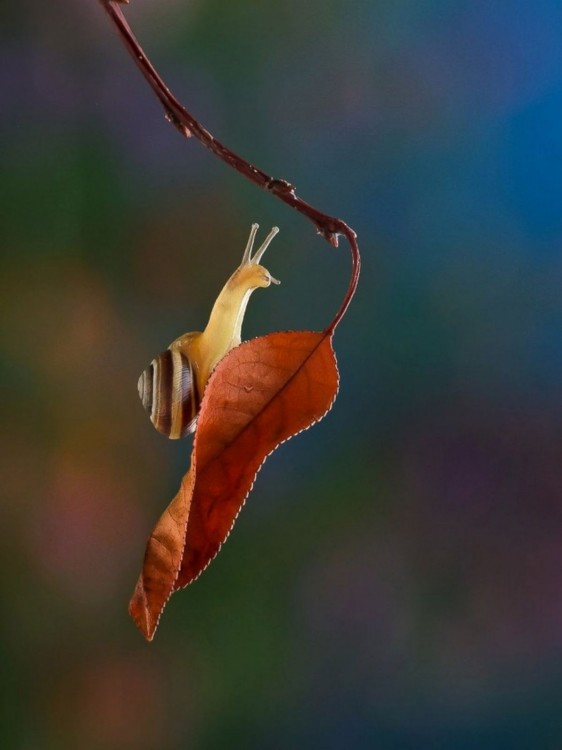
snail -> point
(172, 386)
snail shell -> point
(168, 393)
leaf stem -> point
(327, 226)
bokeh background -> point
(395, 580)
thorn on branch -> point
(171, 117)
(332, 237)
(280, 187)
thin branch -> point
(328, 226)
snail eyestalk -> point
(224, 329)
(249, 247)
(261, 250)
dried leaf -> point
(265, 392)
(162, 561)
(261, 394)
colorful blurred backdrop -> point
(395, 580)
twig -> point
(328, 226)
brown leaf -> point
(162, 561)
(262, 393)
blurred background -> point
(395, 580)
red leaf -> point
(162, 561)
(262, 393)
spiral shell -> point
(168, 393)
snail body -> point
(172, 386)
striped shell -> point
(167, 391)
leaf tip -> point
(140, 611)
